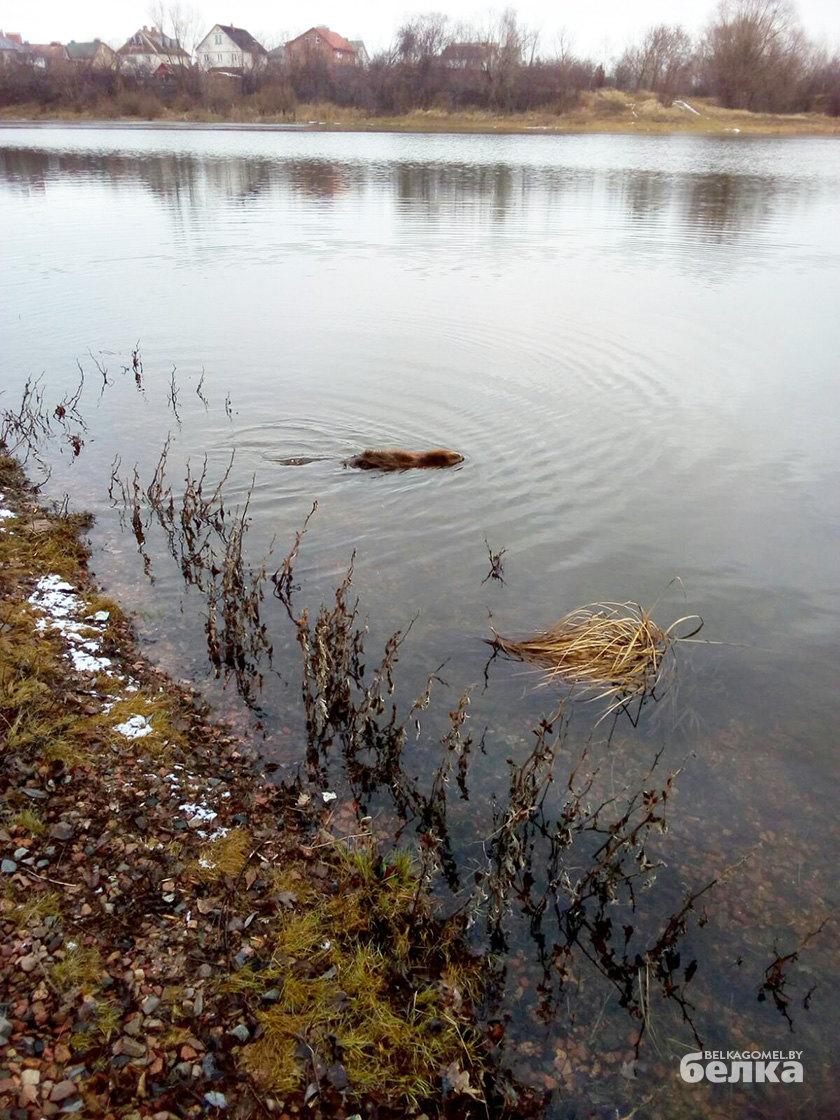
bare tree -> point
(564, 45)
(662, 63)
(828, 95)
(180, 23)
(507, 43)
(422, 39)
(754, 54)
(416, 76)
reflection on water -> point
(632, 341)
(723, 205)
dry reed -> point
(616, 648)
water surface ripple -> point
(633, 342)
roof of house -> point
(148, 40)
(466, 52)
(48, 50)
(331, 38)
(82, 52)
(10, 42)
(243, 39)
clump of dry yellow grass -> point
(614, 647)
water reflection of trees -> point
(715, 205)
(496, 187)
(723, 206)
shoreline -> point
(177, 930)
(618, 115)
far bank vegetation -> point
(752, 56)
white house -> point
(230, 48)
(149, 49)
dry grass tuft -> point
(226, 855)
(615, 648)
(80, 969)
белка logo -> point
(719, 1066)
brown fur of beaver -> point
(395, 459)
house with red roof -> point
(321, 42)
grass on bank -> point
(606, 110)
(357, 974)
(362, 978)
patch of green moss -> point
(357, 973)
(223, 856)
(49, 544)
(28, 821)
(103, 1025)
(33, 716)
(80, 969)
(12, 476)
(30, 907)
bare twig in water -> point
(283, 578)
(199, 389)
(103, 371)
(174, 394)
(207, 541)
(26, 429)
(775, 979)
(496, 566)
(136, 367)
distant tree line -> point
(753, 54)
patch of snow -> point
(689, 108)
(99, 616)
(329, 796)
(197, 812)
(136, 727)
(87, 663)
(74, 631)
(58, 600)
(55, 597)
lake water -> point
(634, 342)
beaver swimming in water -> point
(395, 459)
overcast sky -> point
(596, 27)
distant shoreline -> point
(624, 115)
